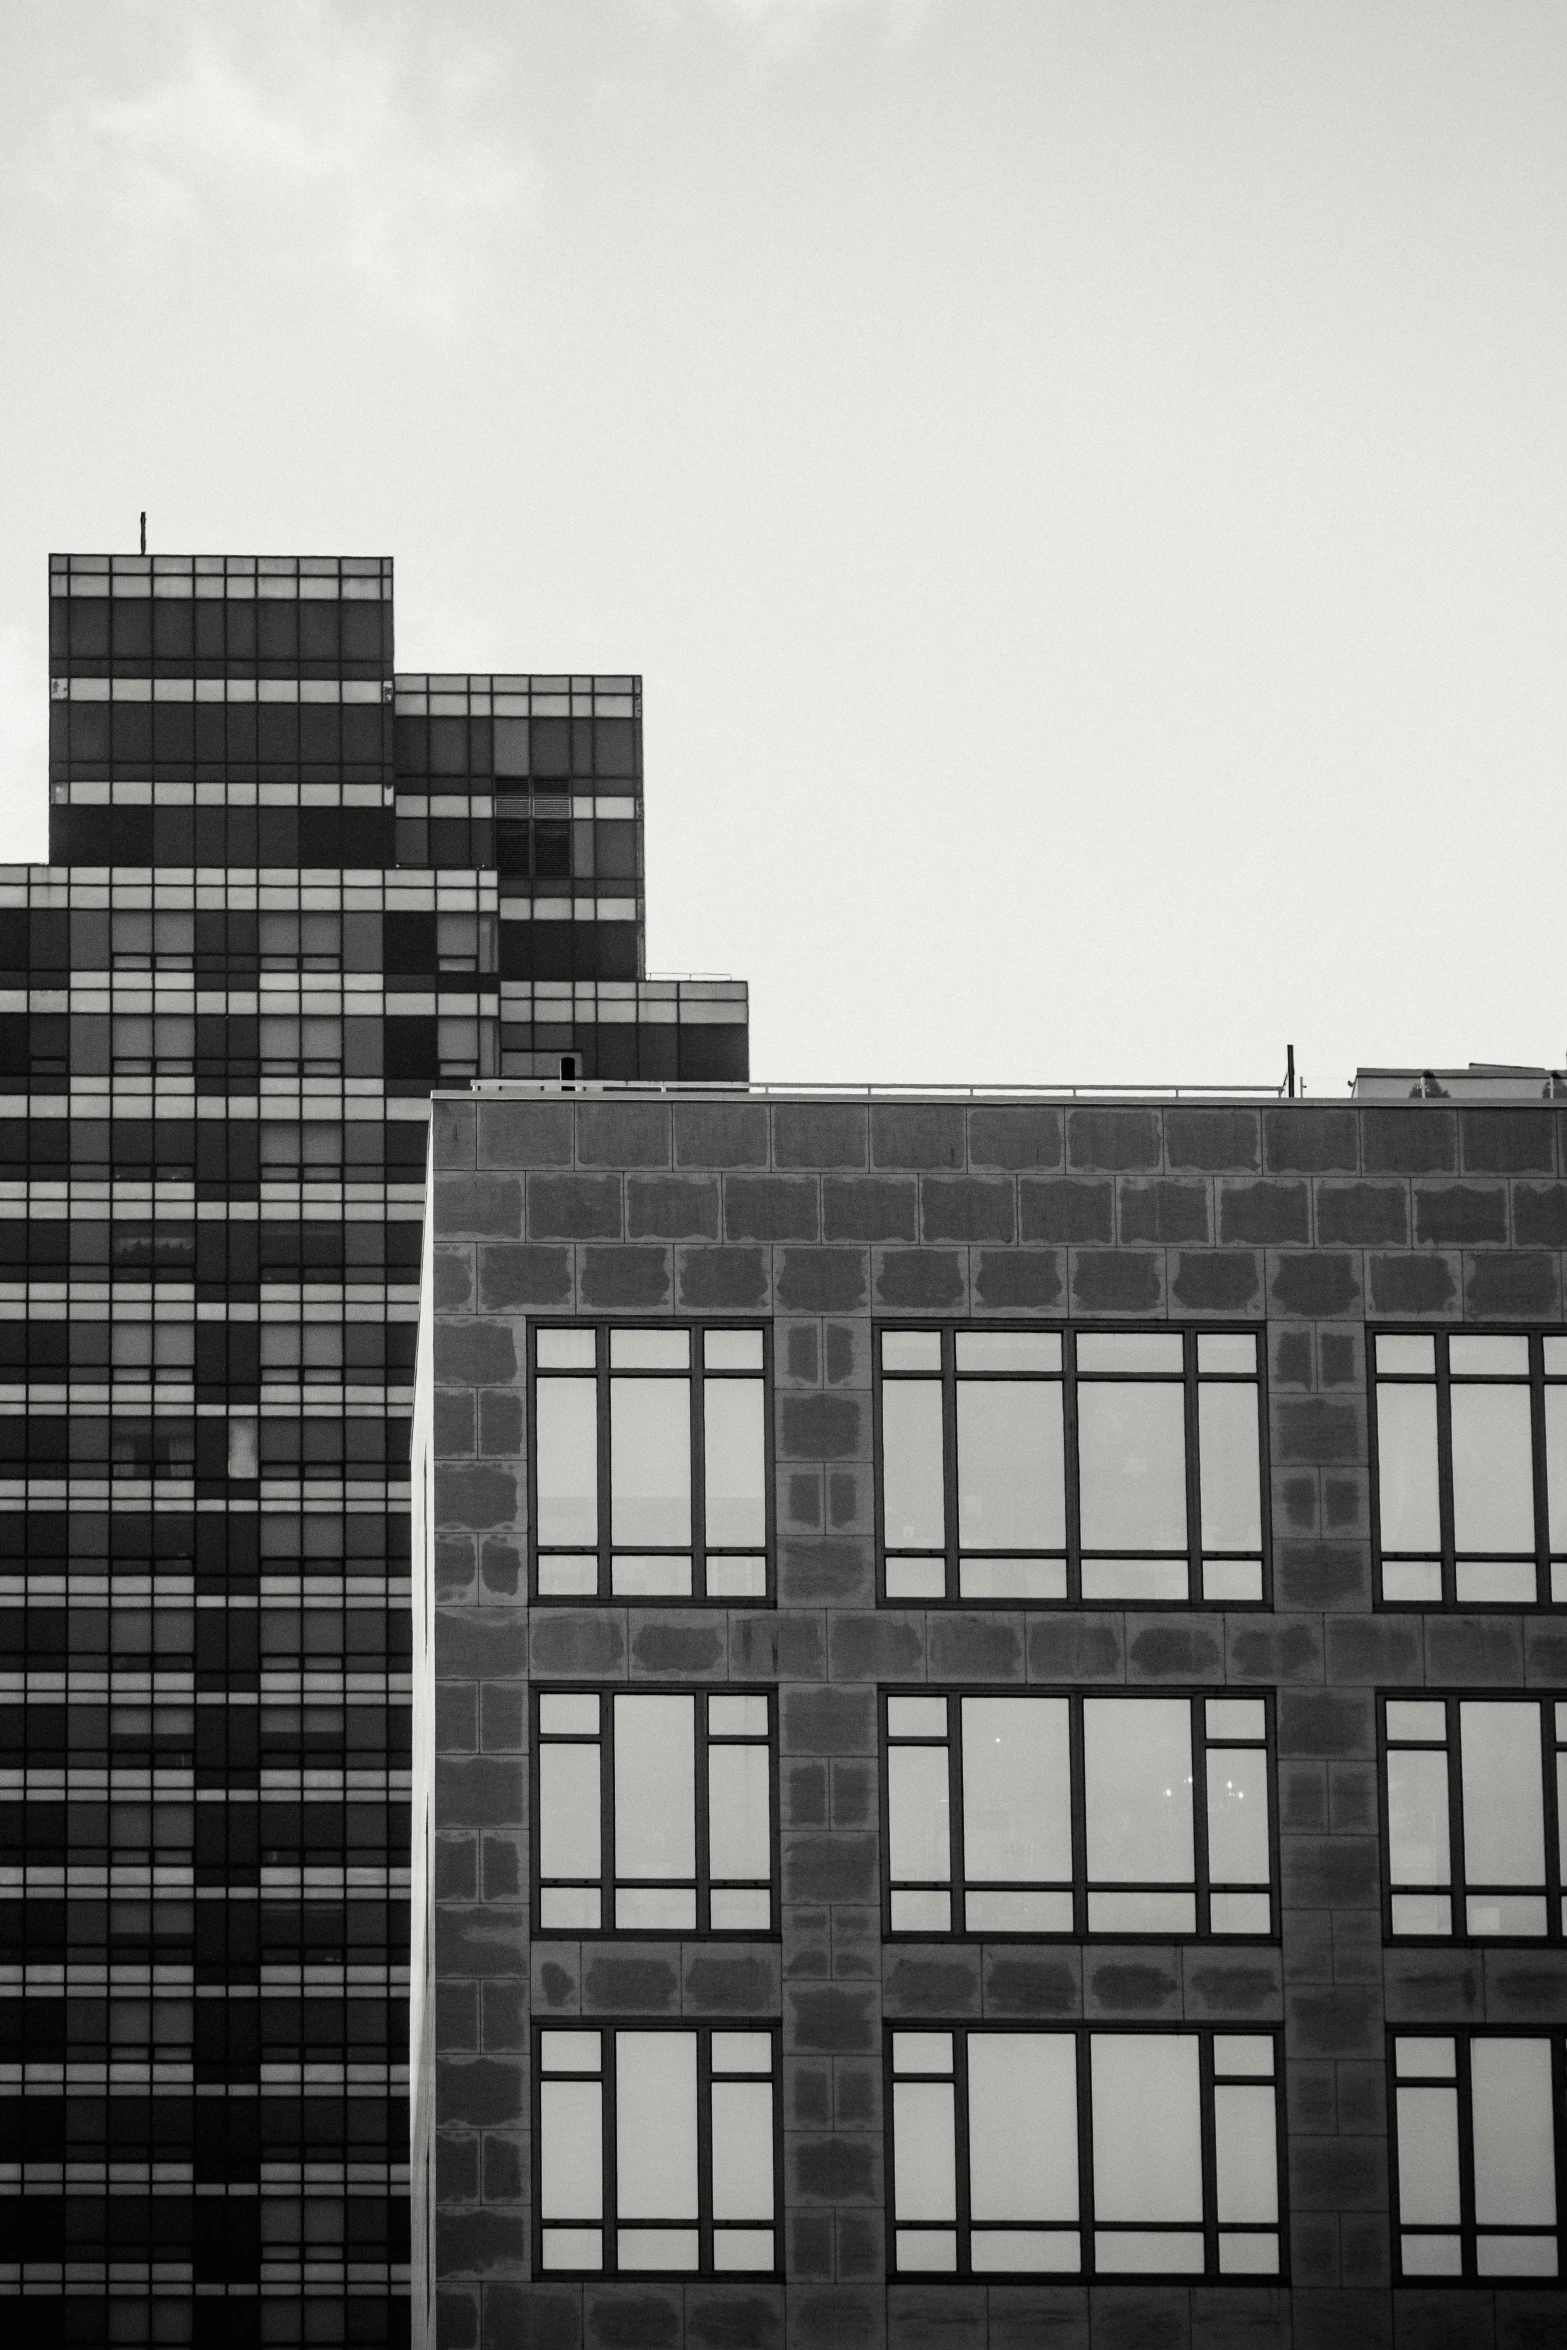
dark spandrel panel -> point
(97, 636)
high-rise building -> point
(1016, 1792)
(288, 892)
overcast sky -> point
(1084, 484)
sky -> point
(1085, 484)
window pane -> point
(1022, 2125)
(1493, 1469)
(569, 1811)
(649, 1350)
(1011, 1480)
(1514, 2153)
(1137, 1757)
(1129, 1350)
(742, 2150)
(739, 1812)
(917, 1843)
(1406, 1468)
(1504, 1813)
(912, 1479)
(1132, 1462)
(1417, 1818)
(571, 2156)
(655, 1788)
(924, 2168)
(1147, 2140)
(1009, 1350)
(732, 1350)
(1556, 1465)
(1017, 1790)
(655, 2124)
(650, 1460)
(1247, 2166)
(1428, 2157)
(1227, 1454)
(1238, 1815)
(567, 1419)
(736, 1462)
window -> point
(1046, 1815)
(1474, 1789)
(1477, 2117)
(1091, 1465)
(657, 2150)
(1084, 2153)
(144, 1351)
(650, 1464)
(293, 1353)
(654, 1812)
(1469, 1446)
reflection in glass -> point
(1137, 1760)
(650, 1460)
(1132, 1465)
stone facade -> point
(825, 1216)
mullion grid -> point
(1440, 1379)
(1467, 2227)
(959, 1885)
(1192, 1381)
(608, 1882)
(1087, 2225)
(1460, 1886)
(697, 1549)
(608, 2223)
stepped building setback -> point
(289, 891)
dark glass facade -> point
(288, 892)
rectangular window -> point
(1469, 1443)
(653, 1812)
(1473, 1810)
(1048, 1465)
(1039, 1815)
(1021, 2153)
(657, 2151)
(650, 1464)
(1478, 2117)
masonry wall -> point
(824, 1214)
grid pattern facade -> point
(261, 938)
(1177, 1961)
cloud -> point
(24, 743)
(361, 145)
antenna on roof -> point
(144, 533)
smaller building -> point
(990, 1718)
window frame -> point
(607, 1930)
(1075, 1698)
(1538, 1381)
(1463, 2037)
(1069, 1333)
(1459, 1887)
(607, 2027)
(1086, 2273)
(697, 1375)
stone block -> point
(622, 1134)
(1301, 1138)
(456, 1868)
(1014, 1136)
(1434, 2320)
(481, 1207)
(1303, 1796)
(727, 1980)
(511, 1275)
(457, 2018)
(575, 1207)
(952, 2318)
(1066, 1210)
(1334, 2021)
(631, 1979)
(1517, 1286)
(819, 1134)
(1363, 1215)
(832, 2169)
(505, 2017)
(1212, 1140)
(870, 1207)
(524, 1134)
(921, 1280)
(453, 1133)
(500, 1424)
(1018, 1280)
(831, 2019)
(585, 1642)
(734, 2317)
(828, 1719)
(722, 1280)
(1337, 2173)
(886, 1646)
(456, 1717)
(1498, 1141)
(822, 1280)
(1461, 1215)
(1342, 1357)
(455, 1555)
(479, 1942)
(967, 1208)
(634, 1280)
(1330, 1872)
(1142, 1980)
(1483, 1649)
(473, 1643)
(1292, 1366)
(822, 1427)
(776, 1647)
(453, 1274)
(720, 1134)
(1074, 1648)
(1118, 1141)
(933, 1982)
(480, 2243)
(1326, 1722)
(1175, 1648)
(975, 1647)
(1314, 1287)
(917, 1134)
(829, 1868)
(1167, 1209)
(1038, 2317)
(1117, 1281)
(837, 2317)
(1352, 1791)
(1374, 1649)
(1023, 1983)
(634, 2317)
(855, 1793)
(532, 2316)
(1243, 1987)
(1540, 1215)
(683, 1645)
(1419, 1140)
(772, 1207)
(1410, 1284)
(1314, 1430)
(672, 1207)
(1267, 1213)
(500, 1567)
(479, 1791)
(826, 1574)
(1217, 1281)
(1127, 2316)
(1525, 1986)
(453, 1423)
(475, 1354)
(456, 2165)
(1427, 1986)
(1274, 1649)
